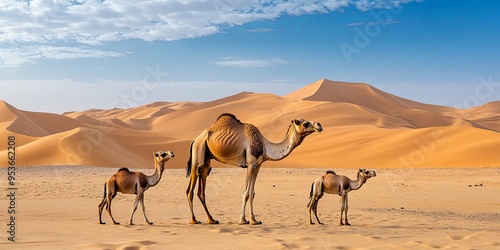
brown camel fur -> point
(240, 144)
(332, 183)
(128, 182)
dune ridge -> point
(363, 126)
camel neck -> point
(156, 176)
(358, 183)
(280, 150)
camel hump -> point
(123, 169)
(330, 172)
(228, 115)
(226, 122)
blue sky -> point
(58, 56)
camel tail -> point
(310, 194)
(188, 166)
(104, 189)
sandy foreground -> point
(400, 208)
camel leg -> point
(245, 196)
(342, 211)
(253, 221)
(309, 207)
(346, 208)
(343, 208)
(109, 198)
(101, 206)
(134, 208)
(201, 195)
(144, 210)
(312, 203)
(315, 209)
(190, 195)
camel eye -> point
(163, 154)
(306, 124)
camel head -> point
(163, 156)
(366, 174)
(305, 128)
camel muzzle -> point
(317, 127)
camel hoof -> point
(213, 222)
(102, 223)
(150, 223)
(116, 223)
(347, 224)
(243, 222)
(130, 224)
(311, 223)
(195, 222)
(256, 222)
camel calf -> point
(128, 182)
(331, 183)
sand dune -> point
(362, 126)
(35, 123)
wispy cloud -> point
(260, 30)
(366, 5)
(96, 22)
(13, 57)
(369, 23)
(249, 62)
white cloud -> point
(12, 57)
(249, 62)
(96, 21)
(35, 25)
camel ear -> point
(156, 154)
(360, 170)
(297, 122)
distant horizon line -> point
(484, 86)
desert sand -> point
(398, 209)
(437, 184)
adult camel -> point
(230, 141)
